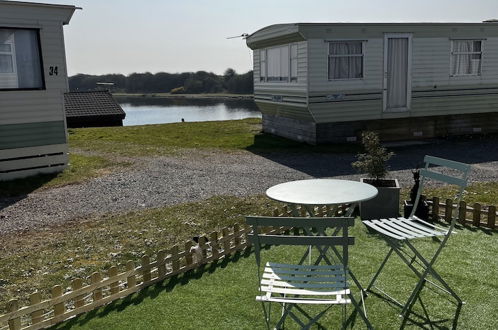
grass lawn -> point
(222, 296)
(39, 260)
(166, 139)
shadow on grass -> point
(155, 290)
(417, 319)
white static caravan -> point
(33, 80)
(327, 82)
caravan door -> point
(397, 72)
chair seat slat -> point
(300, 291)
(301, 285)
(323, 279)
(425, 223)
(382, 231)
(291, 266)
(338, 300)
(309, 273)
(411, 225)
(406, 229)
(387, 226)
(430, 231)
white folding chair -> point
(294, 285)
(400, 232)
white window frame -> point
(265, 63)
(452, 52)
(291, 58)
(12, 54)
(362, 42)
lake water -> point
(143, 110)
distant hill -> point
(163, 82)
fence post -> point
(226, 242)
(131, 280)
(175, 263)
(76, 284)
(477, 215)
(146, 274)
(58, 308)
(236, 234)
(15, 323)
(95, 278)
(188, 254)
(114, 286)
(435, 208)
(161, 264)
(36, 316)
(462, 212)
(203, 246)
(213, 238)
(448, 210)
(492, 216)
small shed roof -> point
(92, 104)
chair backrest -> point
(314, 233)
(459, 179)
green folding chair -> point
(400, 232)
(293, 285)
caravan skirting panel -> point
(410, 128)
(23, 162)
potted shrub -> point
(374, 163)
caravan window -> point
(20, 59)
(466, 56)
(345, 60)
(278, 64)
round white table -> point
(319, 192)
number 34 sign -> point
(53, 71)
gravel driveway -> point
(161, 181)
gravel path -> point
(161, 181)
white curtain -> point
(284, 63)
(341, 64)
(278, 63)
(273, 63)
(28, 59)
(397, 72)
(466, 63)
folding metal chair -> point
(400, 232)
(293, 285)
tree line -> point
(163, 82)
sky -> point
(126, 36)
